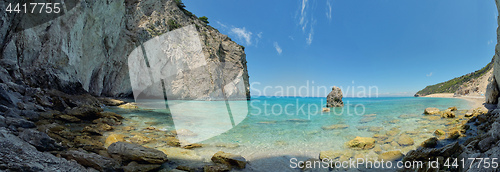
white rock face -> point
(88, 47)
(492, 92)
(492, 95)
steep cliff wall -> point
(492, 92)
(87, 48)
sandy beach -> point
(475, 101)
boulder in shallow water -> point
(334, 98)
(361, 143)
(405, 140)
(193, 145)
(430, 143)
(326, 110)
(431, 111)
(454, 108)
(448, 113)
(113, 138)
(455, 134)
(229, 159)
(391, 155)
(132, 152)
(439, 132)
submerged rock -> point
(361, 143)
(132, 152)
(335, 155)
(391, 155)
(229, 159)
(335, 126)
(367, 119)
(192, 146)
(113, 138)
(334, 98)
(431, 111)
(405, 140)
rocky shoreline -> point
(51, 130)
(48, 130)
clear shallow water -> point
(271, 126)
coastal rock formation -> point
(334, 98)
(492, 92)
(84, 51)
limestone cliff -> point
(492, 92)
(86, 49)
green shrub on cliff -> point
(172, 24)
(452, 85)
(204, 19)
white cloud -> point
(306, 20)
(222, 25)
(243, 34)
(328, 10)
(428, 75)
(490, 42)
(292, 38)
(259, 35)
(278, 48)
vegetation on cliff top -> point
(452, 85)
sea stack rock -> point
(334, 99)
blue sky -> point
(398, 46)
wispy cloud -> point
(278, 48)
(243, 34)
(306, 20)
(429, 75)
(490, 42)
(328, 10)
(222, 25)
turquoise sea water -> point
(272, 126)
